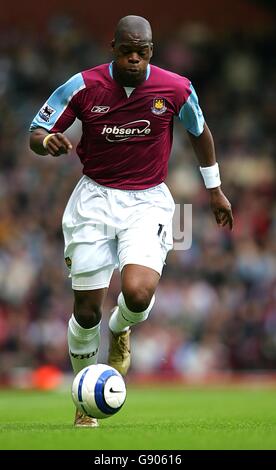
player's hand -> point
(58, 145)
(221, 207)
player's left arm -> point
(203, 144)
(204, 149)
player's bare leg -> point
(88, 306)
(84, 337)
(134, 304)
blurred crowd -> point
(215, 306)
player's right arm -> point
(55, 116)
(56, 144)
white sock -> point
(83, 344)
(122, 318)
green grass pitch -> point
(162, 418)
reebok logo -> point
(139, 128)
(100, 109)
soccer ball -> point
(99, 391)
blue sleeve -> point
(57, 105)
(191, 115)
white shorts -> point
(105, 228)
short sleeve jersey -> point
(126, 140)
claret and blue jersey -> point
(126, 133)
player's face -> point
(131, 57)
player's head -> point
(132, 49)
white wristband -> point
(210, 175)
(45, 140)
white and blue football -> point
(99, 391)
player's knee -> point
(137, 299)
(86, 310)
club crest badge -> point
(68, 262)
(158, 106)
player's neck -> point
(127, 82)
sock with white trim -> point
(122, 318)
(83, 344)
